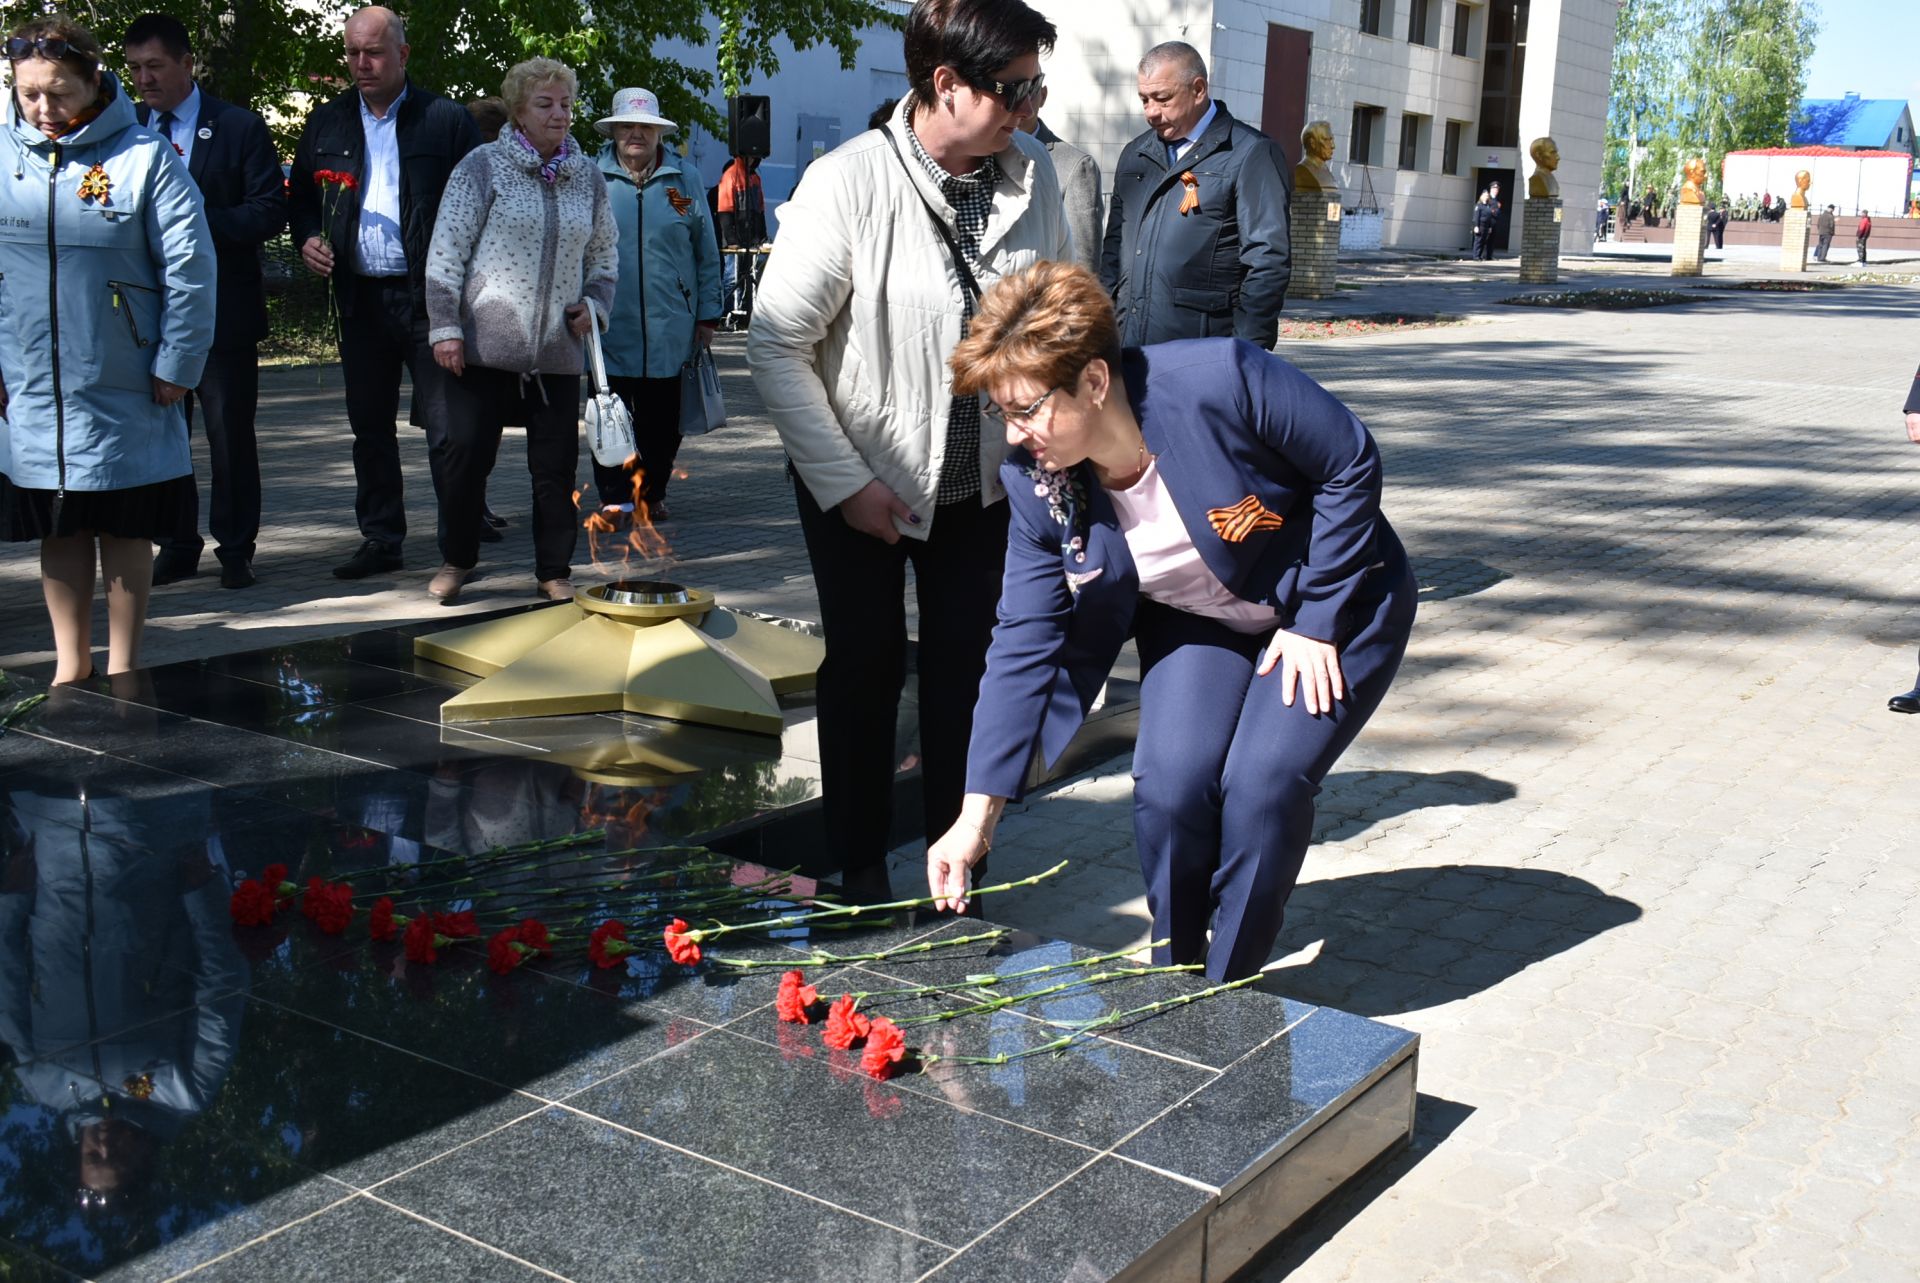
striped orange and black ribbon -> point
(1236, 523)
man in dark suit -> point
(398, 142)
(231, 158)
(1198, 241)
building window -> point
(1369, 123)
(1421, 15)
(1450, 148)
(1371, 16)
(1503, 73)
(1413, 141)
(1462, 30)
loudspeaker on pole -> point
(749, 125)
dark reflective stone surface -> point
(271, 1102)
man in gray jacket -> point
(1198, 241)
(1079, 186)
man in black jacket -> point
(1198, 241)
(230, 155)
(399, 143)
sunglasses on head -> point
(1013, 95)
(53, 47)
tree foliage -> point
(271, 56)
(1702, 78)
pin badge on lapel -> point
(203, 133)
(1236, 523)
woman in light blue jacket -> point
(668, 298)
(106, 316)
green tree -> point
(1746, 69)
(1702, 78)
(273, 57)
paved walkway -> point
(1629, 844)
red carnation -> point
(886, 1048)
(251, 905)
(380, 924)
(845, 1026)
(795, 996)
(505, 952)
(682, 945)
(533, 933)
(273, 877)
(310, 902)
(423, 943)
(335, 910)
(608, 944)
(457, 926)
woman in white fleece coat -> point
(525, 236)
(880, 256)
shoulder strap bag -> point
(609, 424)
(967, 281)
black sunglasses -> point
(1015, 94)
(53, 47)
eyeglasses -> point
(1013, 95)
(1019, 418)
(53, 47)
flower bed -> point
(1349, 327)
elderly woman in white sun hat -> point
(668, 298)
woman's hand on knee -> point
(1315, 663)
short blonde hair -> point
(1046, 324)
(525, 77)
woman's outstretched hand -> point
(951, 858)
(1315, 663)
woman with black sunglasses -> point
(880, 260)
(108, 271)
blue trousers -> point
(1224, 773)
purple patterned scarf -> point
(549, 169)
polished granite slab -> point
(183, 1095)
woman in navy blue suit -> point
(1214, 503)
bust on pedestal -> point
(1315, 214)
(1540, 220)
(1796, 226)
(1690, 222)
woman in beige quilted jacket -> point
(524, 238)
(878, 263)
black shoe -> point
(868, 885)
(658, 511)
(372, 559)
(237, 574)
(488, 534)
(495, 520)
(1907, 703)
(170, 567)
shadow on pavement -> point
(1351, 802)
(1407, 939)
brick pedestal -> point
(1794, 229)
(1540, 241)
(1316, 244)
(1689, 239)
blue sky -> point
(1867, 47)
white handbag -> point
(609, 425)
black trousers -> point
(379, 337)
(228, 399)
(861, 583)
(479, 403)
(655, 406)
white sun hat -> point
(633, 107)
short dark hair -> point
(83, 55)
(974, 37)
(490, 114)
(164, 27)
(878, 118)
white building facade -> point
(1429, 99)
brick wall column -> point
(1316, 244)
(1540, 240)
